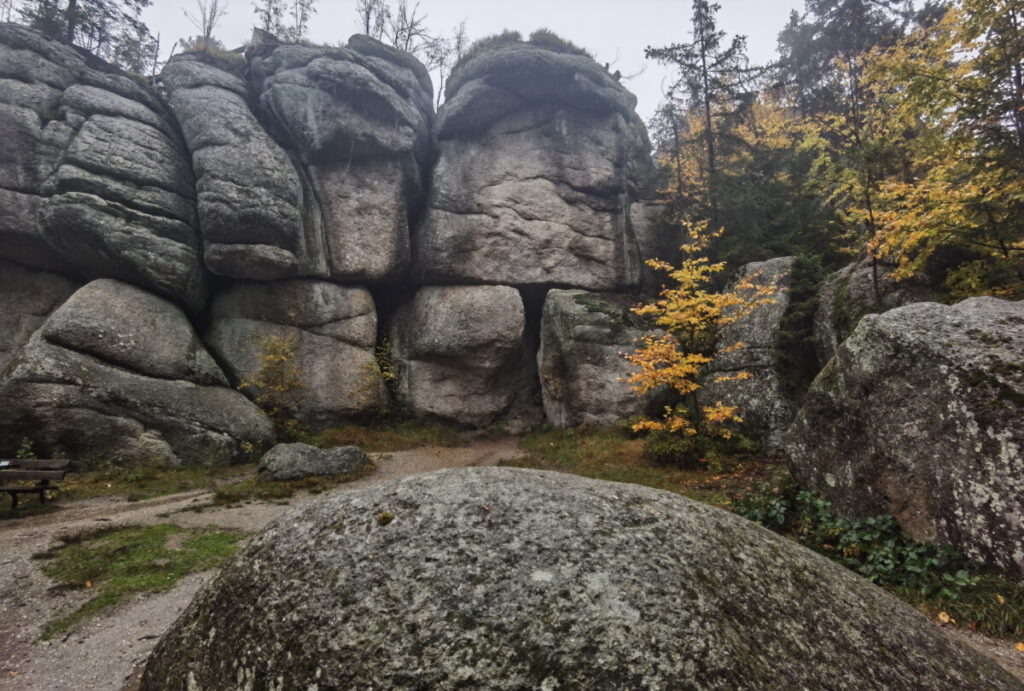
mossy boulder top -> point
(503, 578)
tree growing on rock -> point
(692, 314)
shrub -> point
(276, 376)
(545, 38)
(487, 43)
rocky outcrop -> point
(331, 331)
(319, 174)
(288, 462)
(850, 293)
(96, 180)
(26, 299)
(765, 408)
(117, 375)
(921, 414)
(583, 371)
(509, 579)
(460, 352)
(542, 161)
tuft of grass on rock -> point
(119, 563)
(381, 437)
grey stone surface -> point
(502, 578)
(583, 371)
(287, 462)
(332, 330)
(248, 191)
(130, 328)
(541, 159)
(27, 298)
(921, 414)
(459, 351)
(764, 406)
(118, 376)
(95, 180)
(849, 294)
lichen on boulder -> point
(502, 578)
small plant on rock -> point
(276, 376)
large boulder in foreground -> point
(459, 352)
(583, 371)
(94, 177)
(921, 415)
(117, 375)
(331, 331)
(542, 164)
(760, 398)
(501, 578)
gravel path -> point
(107, 651)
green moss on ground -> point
(116, 564)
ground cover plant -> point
(116, 564)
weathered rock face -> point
(331, 330)
(849, 294)
(320, 175)
(583, 373)
(921, 414)
(95, 180)
(118, 375)
(541, 160)
(287, 462)
(764, 407)
(26, 299)
(460, 350)
(508, 579)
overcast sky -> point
(613, 30)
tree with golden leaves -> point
(691, 314)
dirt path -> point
(105, 652)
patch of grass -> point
(119, 563)
(145, 482)
(932, 578)
(488, 43)
(254, 489)
(383, 437)
(612, 454)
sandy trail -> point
(106, 651)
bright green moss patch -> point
(117, 564)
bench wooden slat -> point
(36, 463)
(18, 474)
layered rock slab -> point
(117, 375)
(921, 414)
(583, 371)
(97, 181)
(542, 161)
(760, 398)
(331, 331)
(507, 579)
(459, 351)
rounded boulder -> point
(503, 578)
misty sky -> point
(613, 30)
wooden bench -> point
(43, 472)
